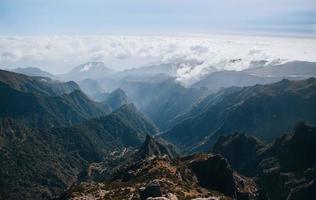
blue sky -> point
(179, 17)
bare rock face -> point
(216, 173)
(241, 151)
(153, 189)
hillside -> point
(44, 104)
(116, 99)
(41, 163)
(37, 85)
(285, 168)
(34, 71)
(263, 110)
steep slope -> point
(264, 110)
(105, 170)
(92, 89)
(34, 71)
(285, 168)
(163, 100)
(45, 104)
(38, 85)
(241, 150)
(48, 111)
(155, 147)
(116, 99)
(41, 163)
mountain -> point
(285, 168)
(226, 79)
(106, 169)
(34, 71)
(241, 150)
(90, 70)
(38, 85)
(41, 163)
(264, 110)
(116, 99)
(163, 100)
(92, 89)
(271, 73)
(294, 69)
(45, 104)
(168, 69)
(155, 147)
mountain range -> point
(40, 163)
(134, 135)
(264, 110)
(285, 167)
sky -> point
(157, 17)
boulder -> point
(152, 189)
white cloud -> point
(59, 54)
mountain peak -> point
(116, 99)
(89, 66)
(33, 71)
(155, 147)
(89, 70)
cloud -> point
(197, 56)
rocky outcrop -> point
(285, 169)
(215, 173)
(241, 151)
(155, 147)
(159, 177)
(152, 189)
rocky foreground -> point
(200, 176)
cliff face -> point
(284, 168)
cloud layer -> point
(209, 53)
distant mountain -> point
(92, 88)
(296, 70)
(34, 71)
(116, 99)
(38, 85)
(225, 79)
(44, 104)
(264, 110)
(285, 168)
(163, 100)
(90, 70)
(168, 69)
(41, 163)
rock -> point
(172, 196)
(215, 173)
(157, 198)
(152, 189)
(305, 191)
(241, 151)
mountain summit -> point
(92, 70)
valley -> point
(152, 136)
